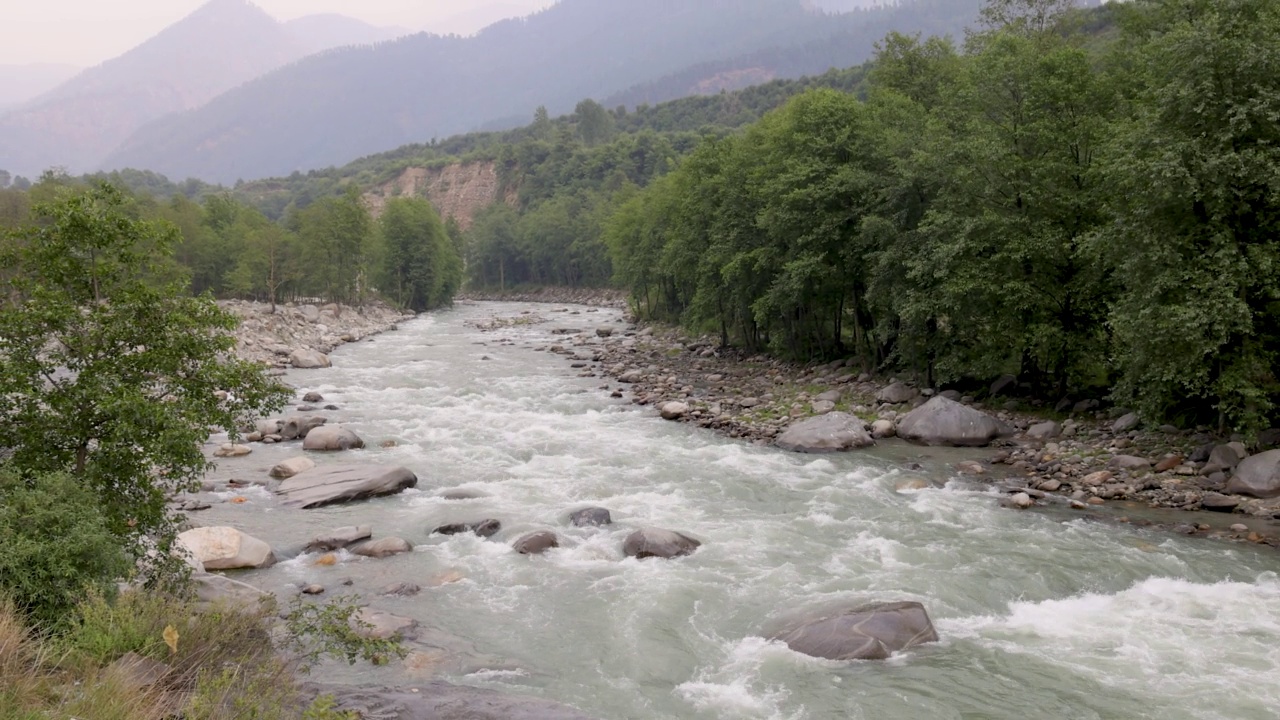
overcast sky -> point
(87, 32)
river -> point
(1041, 614)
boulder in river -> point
(305, 359)
(832, 432)
(590, 517)
(232, 450)
(288, 468)
(338, 539)
(1224, 458)
(484, 528)
(857, 632)
(224, 548)
(659, 543)
(313, 397)
(942, 421)
(299, 426)
(1257, 475)
(673, 410)
(381, 548)
(536, 543)
(332, 484)
(332, 438)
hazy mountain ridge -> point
(335, 107)
(21, 83)
(219, 46)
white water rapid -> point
(1041, 615)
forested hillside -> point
(344, 104)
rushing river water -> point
(1041, 615)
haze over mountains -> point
(20, 83)
(229, 93)
(221, 45)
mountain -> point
(475, 19)
(20, 83)
(219, 46)
(314, 33)
(343, 104)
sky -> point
(87, 32)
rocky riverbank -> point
(303, 335)
(1080, 454)
(595, 297)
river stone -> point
(305, 359)
(1125, 423)
(1130, 462)
(1214, 502)
(897, 393)
(655, 542)
(536, 543)
(440, 701)
(379, 625)
(673, 410)
(484, 528)
(1224, 457)
(831, 396)
(590, 517)
(866, 632)
(401, 589)
(1044, 431)
(332, 438)
(1022, 501)
(313, 397)
(946, 422)
(1258, 475)
(331, 484)
(299, 426)
(224, 548)
(288, 468)
(381, 548)
(231, 450)
(338, 539)
(822, 407)
(882, 429)
(267, 427)
(832, 432)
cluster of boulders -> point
(303, 335)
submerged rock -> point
(945, 422)
(331, 484)
(338, 539)
(382, 548)
(536, 543)
(833, 432)
(483, 528)
(857, 632)
(590, 517)
(655, 542)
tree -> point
(5, 179)
(595, 124)
(421, 269)
(110, 377)
(267, 261)
(335, 235)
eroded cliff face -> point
(458, 191)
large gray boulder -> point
(1225, 457)
(942, 421)
(440, 701)
(224, 548)
(332, 484)
(590, 517)
(655, 542)
(857, 632)
(305, 359)
(288, 468)
(332, 438)
(297, 427)
(383, 548)
(1257, 475)
(832, 432)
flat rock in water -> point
(483, 528)
(942, 421)
(536, 543)
(440, 701)
(655, 542)
(1257, 475)
(833, 432)
(305, 359)
(339, 538)
(288, 468)
(332, 484)
(857, 632)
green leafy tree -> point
(335, 236)
(108, 376)
(595, 124)
(421, 268)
